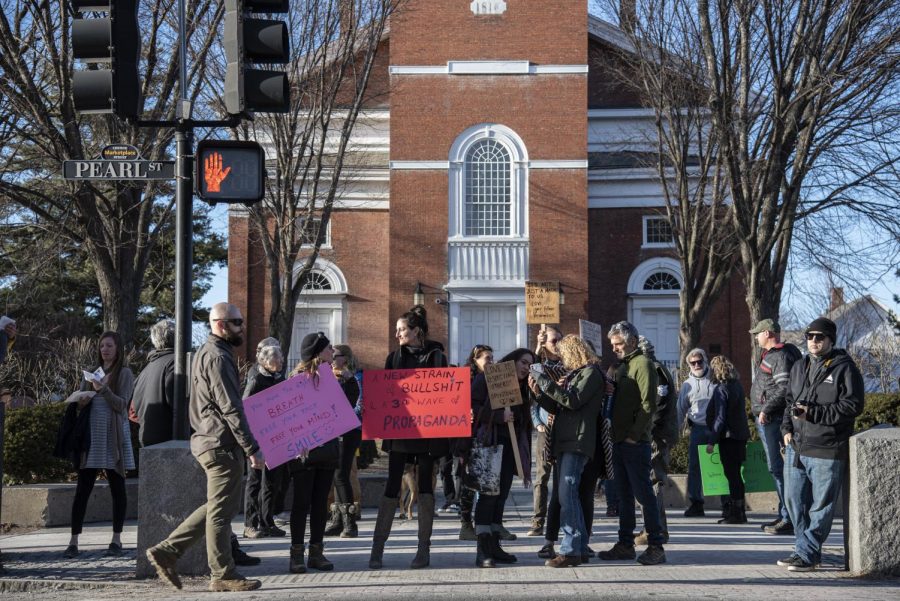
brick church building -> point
(500, 151)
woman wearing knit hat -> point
(313, 473)
(415, 351)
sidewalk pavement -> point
(704, 560)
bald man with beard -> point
(220, 442)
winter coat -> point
(154, 398)
(259, 380)
(73, 439)
(727, 414)
(770, 381)
(695, 393)
(634, 403)
(664, 428)
(216, 409)
(834, 394)
(490, 427)
(405, 357)
(576, 407)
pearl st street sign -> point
(119, 162)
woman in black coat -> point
(415, 351)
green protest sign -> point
(755, 471)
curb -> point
(17, 585)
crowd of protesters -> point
(585, 425)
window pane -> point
(487, 204)
(662, 281)
(659, 231)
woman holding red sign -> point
(415, 352)
(491, 429)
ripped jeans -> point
(575, 536)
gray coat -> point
(216, 409)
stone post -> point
(172, 486)
(875, 502)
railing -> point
(481, 260)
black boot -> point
(497, 552)
(335, 525)
(386, 510)
(348, 517)
(426, 521)
(726, 512)
(738, 513)
(317, 559)
(297, 565)
(484, 559)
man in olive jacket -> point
(221, 439)
(634, 405)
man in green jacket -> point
(634, 404)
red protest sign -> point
(417, 403)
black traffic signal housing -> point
(250, 40)
(230, 171)
(115, 43)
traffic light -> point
(230, 171)
(262, 41)
(114, 41)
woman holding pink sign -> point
(313, 473)
(415, 351)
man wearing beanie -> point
(770, 383)
(824, 396)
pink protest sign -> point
(297, 415)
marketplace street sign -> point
(119, 162)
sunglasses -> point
(336, 356)
(815, 336)
(236, 321)
(698, 362)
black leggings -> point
(586, 488)
(343, 491)
(311, 488)
(86, 479)
(489, 508)
(397, 463)
(732, 454)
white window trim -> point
(489, 68)
(645, 244)
(326, 244)
(649, 267)
(518, 189)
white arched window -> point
(487, 206)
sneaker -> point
(235, 584)
(444, 508)
(251, 532)
(654, 555)
(590, 553)
(506, 534)
(114, 550)
(564, 561)
(547, 552)
(618, 552)
(694, 511)
(801, 565)
(612, 511)
(454, 508)
(166, 566)
(788, 561)
(71, 552)
(283, 518)
(242, 559)
(274, 531)
(536, 530)
(783, 528)
(774, 522)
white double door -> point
(306, 321)
(660, 326)
(495, 325)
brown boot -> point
(297, 565)
(335, 524)
(317, 559)
(233, 584)
(426, 521)
(386, 510)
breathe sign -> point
(417, 403)
(298, 415)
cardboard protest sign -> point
(541, 302)
(298, 415)
(593, 333)
(417, 403)
(755, 471)
(503, 385)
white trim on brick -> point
(488, 68)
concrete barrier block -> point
(875, 502)
(50, 505)
(172, 486)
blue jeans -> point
(699, 435)
(575, 536)
(631, 463)
(810, 492)
(770, 435)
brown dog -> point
(409, 489)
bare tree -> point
(662, 66)
(116, 224)
(335, 44)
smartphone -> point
(537, 369)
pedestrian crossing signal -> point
(230, 171)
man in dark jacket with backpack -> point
(767, 400)
(824, 397)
